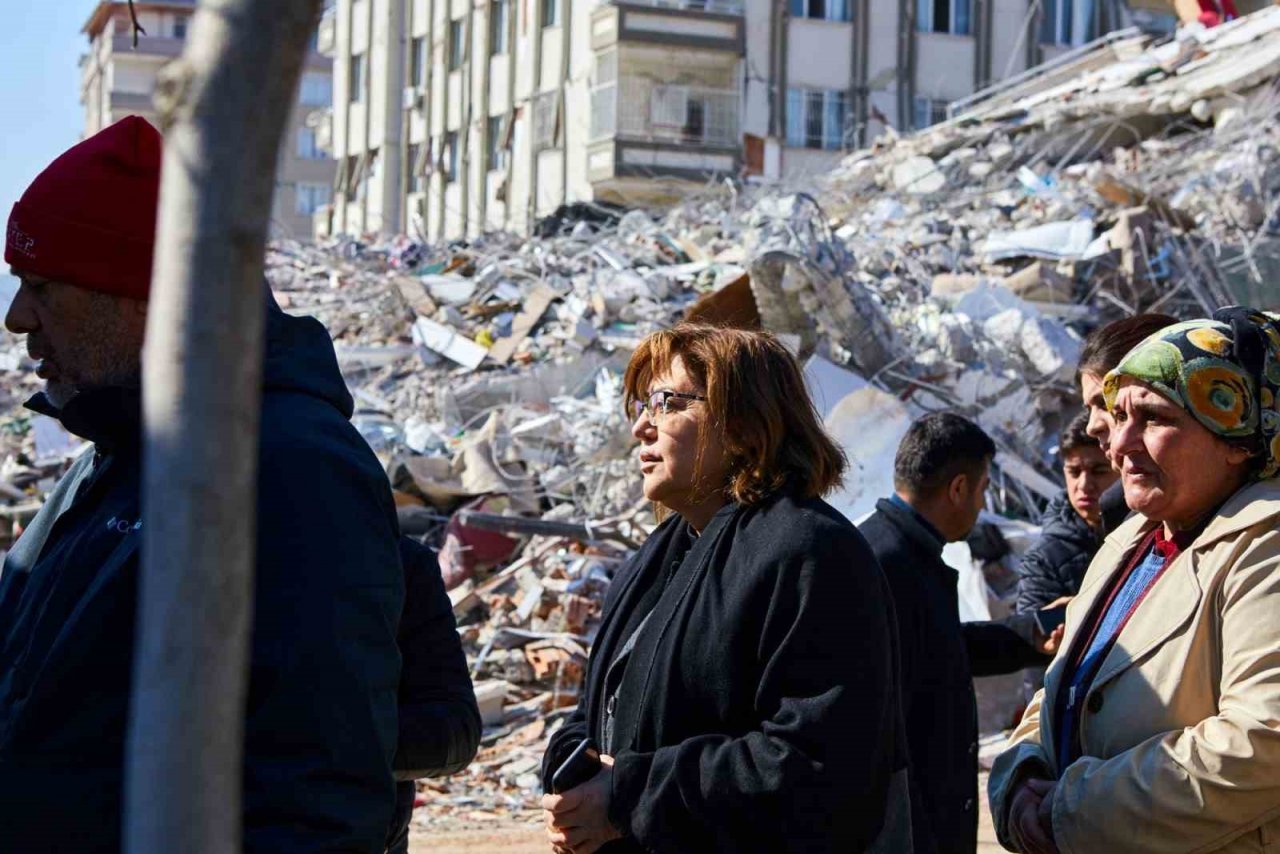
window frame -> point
(803, 127)
(499, 27)
(457, 44)
(356, 71)
(835, 11)
(552, 19)
(450, 153)
(926, 19)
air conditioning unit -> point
(412, 98)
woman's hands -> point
(578, 820)
(1031, 817)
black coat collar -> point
(110, 417)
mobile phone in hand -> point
(581, 766)
(1050, 618)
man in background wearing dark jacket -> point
(940, 479)
(320, 717)
(439, 720)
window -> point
(499, 10)
(355, 80)
(457, 44)
(816, 119)
(180, 27)
(550, 12)
(822, 10)
(309, 198)
(928, 112)
(496, 148)
(417, 62)
(308, 149)
(546, 120)
(943, 16)
(316, 89)
(370, 171)
(414, 167)
(451, 156)
(1058, 24)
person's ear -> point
(1237, 456)
(958, 490)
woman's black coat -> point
(760, 710)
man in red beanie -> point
(320, 725)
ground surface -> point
(527, 838)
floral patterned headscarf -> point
(1224, 371)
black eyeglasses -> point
(659, 402)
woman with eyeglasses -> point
(742, 687)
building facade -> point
(118, 80)
(456, 117)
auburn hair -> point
(758, 404)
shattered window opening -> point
(496, 155)
(414, 155)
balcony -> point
(327, 33)
(160, 46)
(321, 121)
(639, 129)
(702, 24)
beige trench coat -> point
(1181, 727)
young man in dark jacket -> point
(940, 477)
(1055, 565)
(439, 721)
(320, 717)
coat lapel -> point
(1097, 581)
(1171, 602)
(644, 658)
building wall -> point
(881, 80)
(119, 81)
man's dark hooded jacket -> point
(321, 710)
(439, 719)
(940, 657)
(1055, 565)
(758, 708)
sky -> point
(40, 113)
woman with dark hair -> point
(1158, 728)
(743, 684)
(1103, 350)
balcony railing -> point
(719, 7)
(638, 111)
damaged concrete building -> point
(118, 79)
(453, 118)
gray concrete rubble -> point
(956, 268)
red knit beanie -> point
(89, 219)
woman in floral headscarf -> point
(1158, 728)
